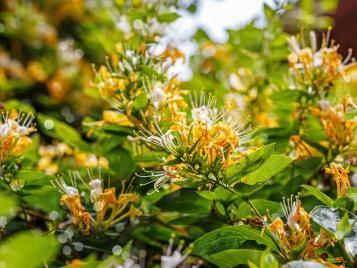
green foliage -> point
(325, 199)
(122, 164)
(230, 238)
(35, 249)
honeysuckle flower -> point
(14, 130)
(156, 96)
(296, 235)
(108, 208)
(89, 160)
(169, 174)
(302, 149)
(338, 129)
(172, 53)
(71, 198)
(297, 223)
(95, 189)
(208, 137)
(49, 154)
(317, 67)
(340, 176)
(174, 258)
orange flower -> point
(297, 228)
(173, 53)
(340, 175)
(78, 212)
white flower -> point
(165, 140)
(129, 263)
(173, 259)
(124, 25)
(160, 177)
(95, 189)
(202, 115)
(156, 96)
(60, 184)
(4, 130)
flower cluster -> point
(296, 235)
(14, 130)
(200, 145)
(51, 157)
(317, 68)
(339, 130)
(107, 208)
(132, 84)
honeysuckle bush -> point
(250, 163)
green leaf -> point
(60, 130)
(343, 228)
(245, 191)
(326, 200)
(231, 237)
(8, 205)
(248, 164)
(268, 260)
(167, 17)
(28, 250)
(244, 210)
(29, 175)
(344, 203)
(307, 167)
(233, 257)
(186, 201)
(140, 101)
(121, 162)
(207, 195)
(352, 193)
(152, 233)
(271, 167)
(45, 198)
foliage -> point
(251, 162)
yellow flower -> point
(90, 160)
(108, 208)
(79, 214)
(172, 53)
(114, 117)
(76, 263)
(339, 130)
(296, 234)
(14, 131)
(302, 149)
(297, 228)
(317, 67)
(21, 145)
(340, 175)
